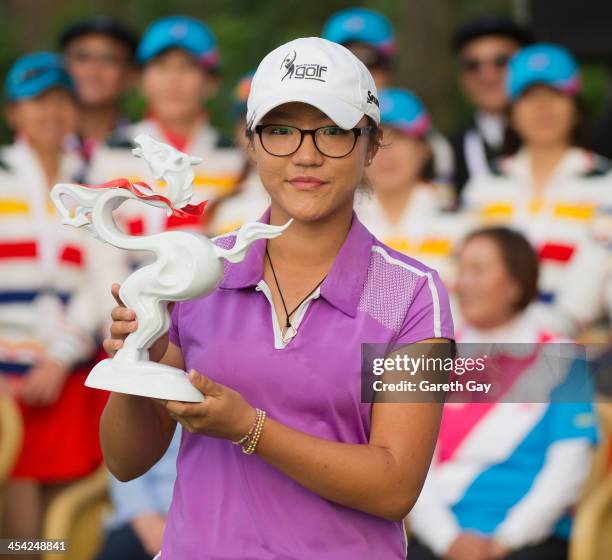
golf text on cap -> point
(302, 71)
(372, 99)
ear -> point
(132, 78)
(373, 147)
(9, 114)
(516, 293)
(212, 84)
(251, 148)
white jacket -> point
(54, 279)
(569, 227)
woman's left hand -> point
(224, 413)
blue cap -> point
(35, 73)
(403, 110)
(180, 32)
(362, 26)
(547, 64)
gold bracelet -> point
(252, 444)
(245, 438)
(247, 442)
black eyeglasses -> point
(108, 59)
(473, 65)
(331, 141)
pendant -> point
(288, 334)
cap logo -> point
(179, 30)
(33, 73)
(539, 62)
(372, 99)
(355, 24)
(304, 71)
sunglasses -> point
(474, 65)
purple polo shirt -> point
(228, 505)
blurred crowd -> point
(514, 211)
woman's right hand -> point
(124, 323)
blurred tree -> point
(426, 64)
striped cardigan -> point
(54, 279)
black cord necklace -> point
(287, 314)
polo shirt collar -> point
(344, 283)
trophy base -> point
(146, 379)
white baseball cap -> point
(318, 72)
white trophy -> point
(187, 265)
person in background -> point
(483, 47)
(405, 209)
(552, 189)
(52, 296)
(136, 527)
(506, 472)
(369, 35)
(250, 199)
(180, 73)
(99, 55)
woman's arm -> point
(383, 477)
(135, 431)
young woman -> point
(52, 296)
(406, 208)
(551, 189)
(323, 475)
(506, 473)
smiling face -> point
(483, 71)
(486, 291)
(176, 86)
(544, 116)
(307, 185)
(101, 68)
(401, 162)
(46, 119)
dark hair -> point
(428, 173)
(103, 25)
(488, 25)
(377, 59)
(519, 257)
(579, 137)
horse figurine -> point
(187, 265)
